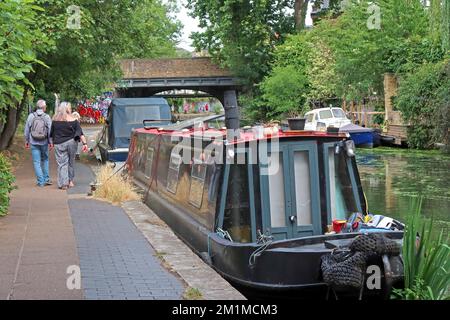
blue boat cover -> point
(353, 128)
(126, 114)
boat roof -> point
(246, 135)
(322, 109)
(138, 102)
(353, 128)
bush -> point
(285, 92)
(424, 100)
(6, 184)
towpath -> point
(48, 231)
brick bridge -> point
(147, 77)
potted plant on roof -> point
(295, 118)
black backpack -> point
(39, 129)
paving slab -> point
(37, 241)
(116, 260)
(178, 256)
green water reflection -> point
(392, 178)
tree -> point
(424, 100)
(241, 34)
(19, 36)
(285, 92)
(300, 9)
(80, 41)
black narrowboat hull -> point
(298, 261)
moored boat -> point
(263, 207)
(363, 137)
(124, 115)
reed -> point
(114, 187)
(426, 260)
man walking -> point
(37, 136)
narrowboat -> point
(262, 206)
(124, 115)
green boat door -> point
(290, 184)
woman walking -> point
(65, 131)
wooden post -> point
(360, 119)
(352, 106)
(390, 90)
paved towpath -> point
(49, 230)
(116, 260)
(37, 242)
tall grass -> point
(114, 187)
(426, 260)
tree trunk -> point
(300, 9)
(12, 121)
(9, 129)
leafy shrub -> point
(424, 100)
(6, 184)
(284, 92)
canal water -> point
(392, 178)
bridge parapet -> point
(172, 68)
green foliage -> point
(303, 73)
(426, 261)
(363, 55)
(242, 34)
(6, 184)
(424, 100)
(83, 62)
(342, 57)
(284, 91)
(17, 55)
(79, 62)
(217, 109)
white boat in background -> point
(324, 118)
(321, 119)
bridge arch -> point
(147, 77)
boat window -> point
(302, 188)
(138, 160)
(237, 219)
(149, 161)
(198, 175)
(339, 113)
(326, 114)
(135, 115)
(310, 117)
(276, 190)
(174, 170)
(317, 117)
(342, 198)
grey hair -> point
(41, 104)
(62, 112)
